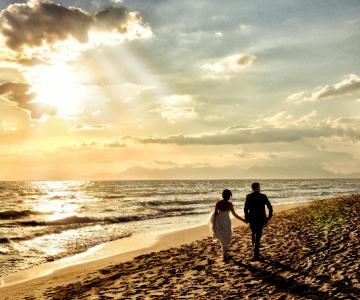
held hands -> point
(242, 219)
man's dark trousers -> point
(255, 214)
(256, 232)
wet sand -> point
(310, 252)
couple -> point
(254, 214)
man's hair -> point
(255, 186)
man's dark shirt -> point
(255, 208)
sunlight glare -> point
(58, 86)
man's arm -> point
(269, 206)
(246, 209)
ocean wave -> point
(29, 193)
(14, 258)
(65, 221)
(168, 193)
(18, 214)
(4, 251)
(141, 193)
(176, 202)
(176, 209)
(163, 214)
(114, 197)
(88, 221)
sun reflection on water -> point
(49, 245)
(59, 200)
(57, 209)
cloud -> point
(274, 131)
(283, 119)
(5, 126)
(26, 62)
(91, 127)
(236, 136)
(37, 24)
(245, 29)
(20, 95)
(183, 172)
(176, 107)
(348, 86)
(128, 92)
(115, 144)
(343, 123)
(226, 68)
(213, 118)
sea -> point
(43, 221)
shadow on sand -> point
(293, 281)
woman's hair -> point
(226, 194)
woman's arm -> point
(234, 213)
(246, 209)
(216, 208)
(214, 220)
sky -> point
(165, 89)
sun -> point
(56, 85)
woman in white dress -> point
(221, 223)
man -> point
(255, 215)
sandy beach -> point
(310, 252)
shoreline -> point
(107, 254)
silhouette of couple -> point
(255, 215)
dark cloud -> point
(245, 60)
(36, 23)
(20, 95)
(115, 18)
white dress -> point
(221, 228)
